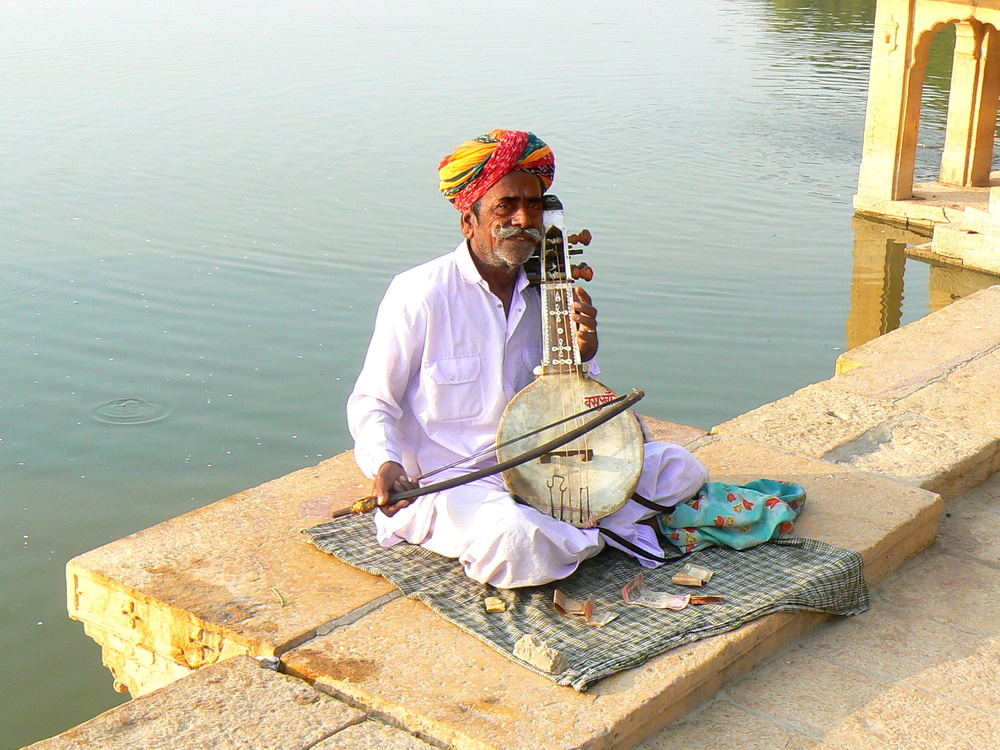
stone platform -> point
(909, 421)
(932, 203)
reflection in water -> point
(880, 255)
(949, 283)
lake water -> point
(201, 204)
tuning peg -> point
(583, 238)
(582, 271)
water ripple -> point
(129, 410)
(16, 281)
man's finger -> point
(390, 508)
(586, 324)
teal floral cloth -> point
(734, 515)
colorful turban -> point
(476, 166)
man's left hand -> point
(585, 315)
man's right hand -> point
(391, 478)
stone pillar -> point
(895, 88)
(972, 106)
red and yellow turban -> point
(476, 166)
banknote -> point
(633, 593)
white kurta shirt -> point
(443, 363)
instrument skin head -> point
(586, 479)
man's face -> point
(509, 225)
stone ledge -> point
(234, 577)
(917, 405)
(872, 435)
(400, 661)
(812, 421)
(902, 361)
(967, 398)
(230, 579)
(958, 242)
(135, 667)
(408, 665)
(905, 717)
(372, 735)
(922, 451)
(234, 704)
(934, 626)
(932, 203)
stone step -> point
(236, 703)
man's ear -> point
(469, 223)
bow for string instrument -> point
(607, 412)
(595, 474)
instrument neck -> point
(560, 349)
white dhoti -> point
(508, 544)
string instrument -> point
(595, 474)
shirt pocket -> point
(531, 357)
(453, 388)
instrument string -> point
(580, 487)
(566, 325)
(572, 356)
(585, 488)
(571, 364)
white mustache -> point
(508, 231)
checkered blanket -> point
(787, 575)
